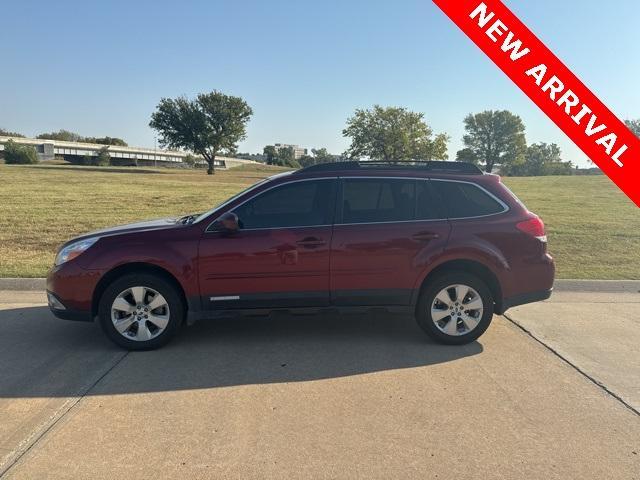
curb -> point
(604, 286)
(23, 284)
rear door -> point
(279, 257)
(387, 231)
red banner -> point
(550, 84)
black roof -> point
(432, 166)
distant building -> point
(297, 150)
(75, 152)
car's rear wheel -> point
(140, 311)
(455, 308)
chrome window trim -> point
(340, 177)
(265, 191)
(393, 221)
(279, 228)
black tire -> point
(428, 295)
(174, 302)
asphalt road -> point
(312, 397)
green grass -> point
(43, 206)
(594, 229)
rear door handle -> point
(311, 242)
(426, 236)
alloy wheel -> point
(457, 309)
(140, 313)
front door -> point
(279, 257)
(386, 234)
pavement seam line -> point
(592, 379)
(53, 420)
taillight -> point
(534, 227)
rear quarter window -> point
(463, 200)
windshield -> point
(208, 213)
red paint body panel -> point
(385, 256)
(172, 249)
(74, 285)
(292, 260)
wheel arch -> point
(135, 267)
(468, 266)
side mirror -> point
(228, 223)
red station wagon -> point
(439, 240)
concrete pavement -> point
(303, 397)
(598, 333)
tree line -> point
(15, 153)
(67, 136)
(214, 123)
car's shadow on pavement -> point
(41, 356)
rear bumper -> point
(524, 298)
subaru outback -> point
(440, 240)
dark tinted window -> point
(368, 200)
(465, 199)
(426, 207)
(296, 204)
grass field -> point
(594, 229)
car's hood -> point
(159, 224)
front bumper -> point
(70, 291)
(61, 311)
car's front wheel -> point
(455, 308)
(140, 311)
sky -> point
(100, 67)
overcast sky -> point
(99, 68)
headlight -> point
(73, 250)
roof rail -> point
(429, 165)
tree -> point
(105, 141)
(493, 138)
(306, 160)
(466, 155)
(211, 124)
(321, 155)
(256, 157)
(62, 136)
(283, 157)
(67, 136)
(103, 158)
(392, 134)
(634, 126)
(540, 156)
(270, 154)
(19, 154)
(189, 160)
(540, 159)
(7, 133)
(287, 158)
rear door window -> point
(371, 200)
(427, 207)
(463, 200)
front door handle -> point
(311, 242)
(426, 236)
